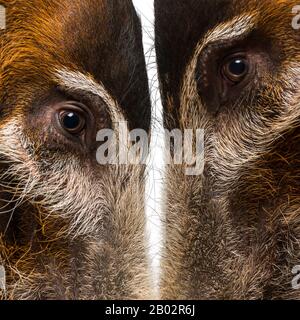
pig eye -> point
(72, 122)
(235, 69)
(72, 119)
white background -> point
(155, 168)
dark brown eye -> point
(72, 121)
(235, 69)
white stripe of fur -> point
(240, 25)
(75, 80)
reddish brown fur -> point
(43, 257)
(233, 232)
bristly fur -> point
(70, 228)
(234, 231)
